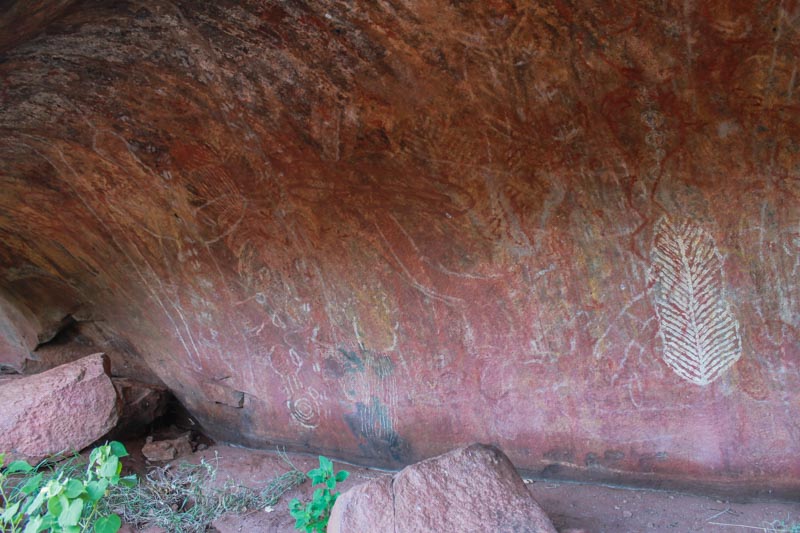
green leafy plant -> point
(64, 500)
(314, 515)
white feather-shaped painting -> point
(700, 335)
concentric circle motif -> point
(305, 411)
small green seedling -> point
(313, 516)
(37, 501)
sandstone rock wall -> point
(378, 231)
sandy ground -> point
(589, 508)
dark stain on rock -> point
(562, 455)
(591, 460)
(352, 362)
(333, 367)
(648, 462)
(381, 365)
(372, 425)
(612, 456)
(551, 470)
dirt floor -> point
(589, 508)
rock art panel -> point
(699, 333)
(379, 231)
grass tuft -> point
(180, 498)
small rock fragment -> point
(167, 450)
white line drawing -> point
(304, 403)
(147, 274)
(699, 332)
(305, 410)
(408, 275)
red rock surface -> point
(381, 230)
(469, 489)
(365, 507)
(59, 411)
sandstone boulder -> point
(61, 410)
(470, 489)
(365, 507)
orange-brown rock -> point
(380, 230)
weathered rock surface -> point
(380, 230)
(167, 449)
(365, 507)
(471, 489)
(62, 410)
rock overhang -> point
(570, 230)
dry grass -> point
(181, 498)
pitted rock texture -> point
(366, 507)
(62, 410)
(470, 489)
(380, 230)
